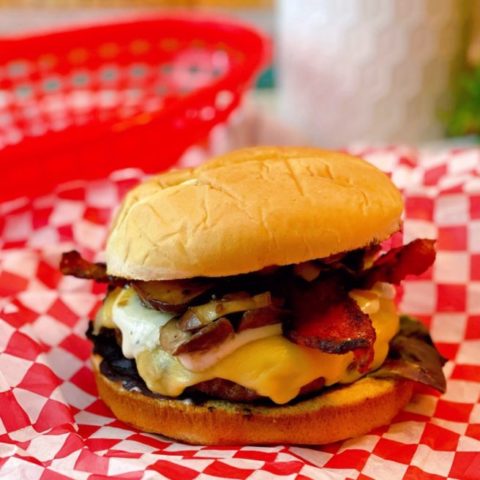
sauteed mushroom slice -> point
(260, 317)
(176, 341)
(201, 315)
(171, 296)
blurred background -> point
(339, 72)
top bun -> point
(250, 209)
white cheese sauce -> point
(140, 326)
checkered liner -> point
(53, 426)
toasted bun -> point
(250, 209)
(338, 414)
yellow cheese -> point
(104, 317)
(274, 367)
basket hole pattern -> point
(109, 84)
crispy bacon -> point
(392, 267)
(326, 318)
(319, 313)
(73, 264)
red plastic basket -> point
(81, 102)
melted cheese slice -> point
(272, 365)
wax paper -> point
(53, 426)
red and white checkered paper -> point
(53, 426)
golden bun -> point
(334, 415)
(250, 209)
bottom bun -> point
(337, 414)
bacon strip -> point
(392, 267)
(323, 314)
(326, 318)
(73, 264)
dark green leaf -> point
(413, 355)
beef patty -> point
(118, 368)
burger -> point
(251, 300)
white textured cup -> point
(368, 70)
